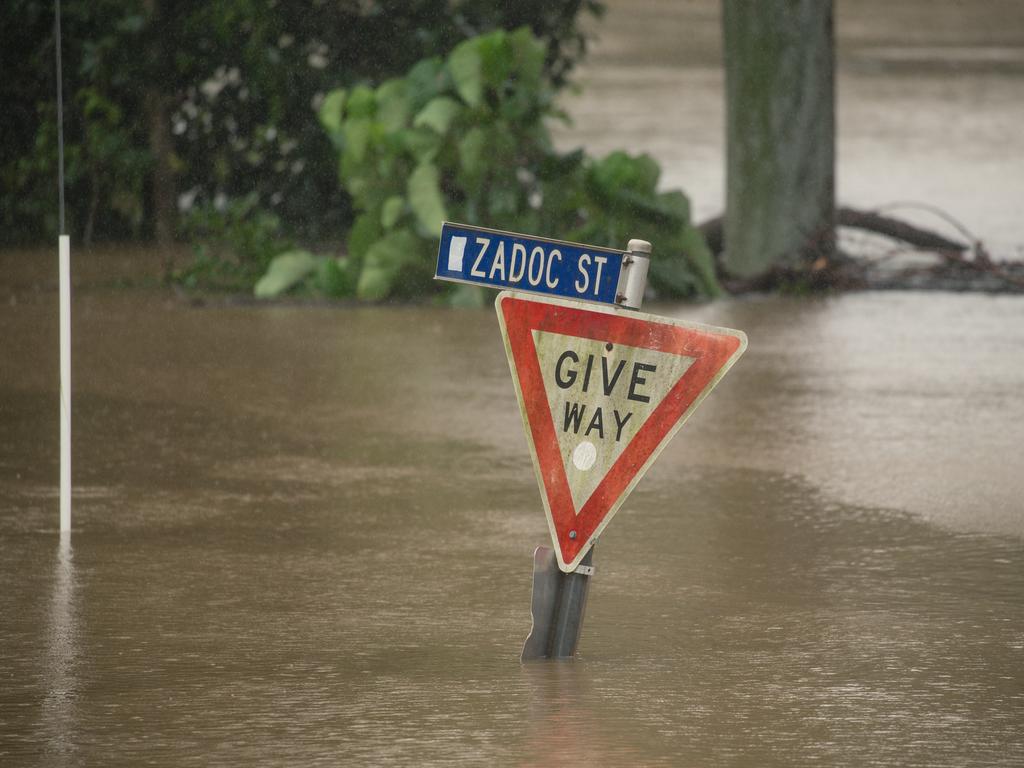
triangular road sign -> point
(602, 390)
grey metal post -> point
(572, 603)
(560, 599)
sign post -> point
(601, 390)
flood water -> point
(930, 104)
(303, 536)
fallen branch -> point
(970, 255)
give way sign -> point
(602, 390)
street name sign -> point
(602, 391)
(497, 259)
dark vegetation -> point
(316, 147)
(250, 127)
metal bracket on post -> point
(558, 604)
(633, 279)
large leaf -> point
(361, 102)
(384, 262)
(701, 260)
(393, 108)
(391, 211)
(425, 198)
(438, 114)
(331, 109)
(473, 157)
(366, 230)
(619, 170)
(426, 79)
(423, 143)
(529, 53)
(496, 58)
(466, 70)
(670, 274)
(286, 271)
(334, 277)
(357, 135)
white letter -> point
(473, 271)
(584, 259)
(540, 272)
(499, 261)
(551, 260)
(599, 260)
(518, 250)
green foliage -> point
(233, 244)
(234, 84)
(466, 139)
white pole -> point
(65, 383)
(64, 279)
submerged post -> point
(65, 383)
(560, 599)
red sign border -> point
(714, 351)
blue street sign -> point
(506, 260)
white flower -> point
(186, 199)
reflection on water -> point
(59, 701)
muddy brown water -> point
(303, 535)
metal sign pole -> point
(560, 599)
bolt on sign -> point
(602, 391)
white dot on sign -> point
(584, 456)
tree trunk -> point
(780, 118)
(157, 106)
(164, 202)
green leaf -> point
(362, 102)
(425, 199)
(357, 135)
(391, 211)
(366, 230)
(496, 58)
(472, 148)
(701, 260)
(426, 79)
(393, 104)
(438, 114)
(423, 143)
(671, 275)
(335, 278)
(675, 203)
(330, 110)
(286, 271)
(384, 262)
(619, 170)
(473, 158)
(528, 53)
(466, 70)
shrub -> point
(466, 139)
